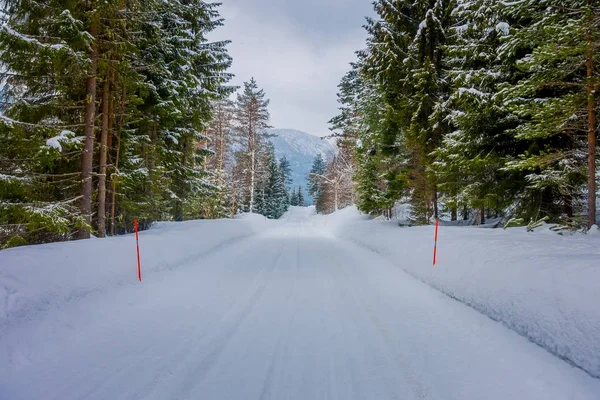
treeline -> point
(476, 108)
(330, 183)
(243, 165)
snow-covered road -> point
(291, 312)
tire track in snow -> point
(352, 292)
(232, 320)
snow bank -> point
(542, 285)
(35, 279)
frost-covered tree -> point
(405, 55)
(469, 163)
(251, 121)
(300, 197)
(315, 176)
(49, 57)
(103, 105)
(555, 45)
(294, 198)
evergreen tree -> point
(317, 171)
(555, 45)
(286, 170)
(140, 79)
(251, 121)
(276, 198)
(405, 54)
(294, 198)
(300, 197)
(360, 126)
(286, 176)
(469, 163)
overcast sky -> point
(297, 50)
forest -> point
(465, 110)
(475, 109)
(121, 110)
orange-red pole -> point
(437, 226)
(137, 246)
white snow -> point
(542, 285)
(64, 137)
(503, 28)
(251, 308)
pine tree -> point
(469, 163)
(251, 121)
(555, 45)
(405, 54)
(140, 80)
(219, 145)
(294, 198)
(317, 171)
(300, 197)
(48, 53)
(360, 126)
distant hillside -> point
(300, 148)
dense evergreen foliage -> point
(103, 105)
(476, 108)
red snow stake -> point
(437, 226)
(137, 246)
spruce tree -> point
(317, 171)
(555, 46)
(49, 56)
(469, 163)
(112, 98)
(300, 197)
(294, 198)
(405, 54)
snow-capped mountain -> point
(300, 148)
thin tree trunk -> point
(233, 196)
(113, 182)
(482, 216)
(87, 159)
(102, 160)
(336, 196)
(435, 203)
(221, 153)
(591, 124)
(252, 172)
(454, 212)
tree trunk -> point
(221, 153)
(454, 213)
(336, 197)
(113, 182)
(482, 216)
(436, 213)
(233, 196)
(102, 160)
(87, 159)
(252, 172)
(591, 199)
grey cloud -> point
(297, 51)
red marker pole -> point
(137, 246)
(437, 226)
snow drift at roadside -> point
(542, 285)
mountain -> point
(300, 148)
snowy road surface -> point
(288, 313)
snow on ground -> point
(251, 309)
(542, 285)
(34, 279)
